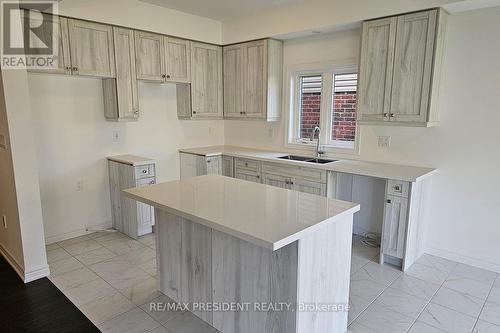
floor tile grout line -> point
(112, 287)
(484, 304)
(432, 297)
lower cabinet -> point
(394, 228)
(228, 166)
(129, 216)
(248, 169)
(299, 185)
(192, 165)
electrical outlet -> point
(116, 136)
(79, 186)
(384, 141)
(4, 221)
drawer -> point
(145, 182)
(398, 188)
(247, 164)
(144, 171)
(298, 172)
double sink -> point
(306, 159)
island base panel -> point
(199, 265)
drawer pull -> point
(389, 201)
(152, 182)
(144, 171)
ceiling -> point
(220, 9)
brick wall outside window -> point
(344, 115)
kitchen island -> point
(250, 257)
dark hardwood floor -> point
(37, 306)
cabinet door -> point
(394, 226)
(376, 65)
(228, 166)
(413, 66)
(276, 180)
(145, 213)
(177, 60)
(306, 186)
(120, 94)
(192, 165)
(256, 79)
(92, 51)
(149, 56)
(214, 165)
(206, 80)
(249, 176)
(234, 80)
(55, 28)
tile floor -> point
(112, 279)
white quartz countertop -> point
(357, 167)
(264, 215)
(131, 160)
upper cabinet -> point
(252, 80)
(161, 58)
(57, 30)
(120, 94)
(206, 81)
(400, 68)
(91, 47)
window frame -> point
(292, 107)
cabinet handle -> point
(194, 112)
(208, 161)
(391, 115)
(75, 69)
(163, 75)
(68, 68)
(389, 201)
(386, 114)
(246, 164)
(258, 177)
(397, 188)
(144, 171)
(152, 182)
(291, 182)
(136, 112)
(168, 76)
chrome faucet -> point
(317, 129)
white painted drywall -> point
(10, 237)
(73, 140)
(463, 203)
(25, 168)
(145, 16)
(308, 15)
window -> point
(324, 97)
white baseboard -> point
(18, 268)
(76, 233)
(36, 274)
(463, 259)
(25, 276)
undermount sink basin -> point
(306, 159)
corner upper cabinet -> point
(253, 80)
(55, 28)
(400, 68)
(162, 59)
(121, 95)
(206, 81)
(91, 46)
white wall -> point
(307, 15)
(73, 140)
(25, 168)
(463, 201)
(141, 15)
(10, 238)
